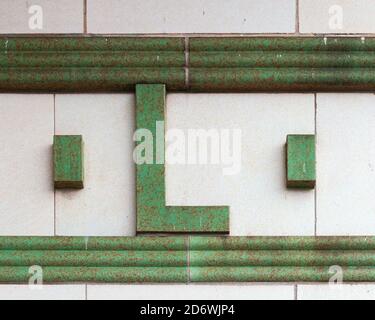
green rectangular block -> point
(300, 161)
(68, 161)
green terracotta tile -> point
(149, 243)
(300, 161)
(53, 274)
(152, 213)
(278, 274)
(173, 259)
(94, 258)
(218, 64)
(68, 161)
(200, 243)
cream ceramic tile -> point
(191, 16)
(26, 190)
(336, 292)
(336, 16)
(45, 292)
(106, 206)
(41, 16)
(345, 164)
(260, 203)
(191, 292)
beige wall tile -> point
(191, 16)
(26, 189)
(345, 164)
(260, 203)
(336, 16)
(336, 292)
(106, 206)
(41, 16)
(192, 291)
(45, 292)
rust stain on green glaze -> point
(300, 161)
(68, 161)
(236, 64)
(152, 213)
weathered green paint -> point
(282, 44)
(149, 243)
(300, 161)
(282, 59)
(278, 274)
(97, 274)
(94, 258)
(8, 44)
(68, 161)
(84, 59)
(235, 64)
(90, 79)
(239, 258)
(178, 258)
(281, 79)
(282, 243)
(152, 213)
(186, 259)
(90, 64)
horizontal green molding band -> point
(181, 274)
(87, 79)
(186, 259)
(220, 64)
(149, 243)
(282, 79)
(281, 59)
(282, 43)
(278, 274)
(83, 59)
(194, 243)
(97, 274)
(91, 44)
(92, 258)
(280, 258)
(197, 243)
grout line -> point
(187, 62)
(297, 17)
(315, 193)
(295, 292)
(54, 190)
(85, 16)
